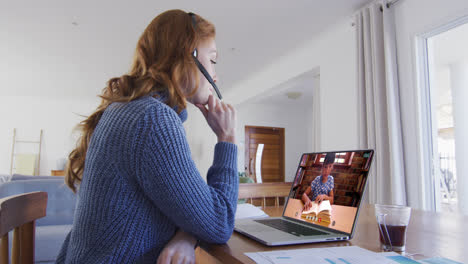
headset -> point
(199, 65)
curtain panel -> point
(379, 121)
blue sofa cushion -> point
(49, 240)
(21, 177)
(61, 200)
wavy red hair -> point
(162, 63)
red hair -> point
(162, 63)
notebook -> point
(337, 179)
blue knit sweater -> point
(140, 185)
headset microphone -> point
(206, 74)
(200, 66)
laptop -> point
(344, 173)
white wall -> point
(28, 114)
(414, 18)
(292, 118)
(200, 138)
(334, 52)
(459, 83)
(43, 54)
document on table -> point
(404, 260)
(249, 211)
(439, 260)
(326, 255)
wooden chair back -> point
(19, 213)
(264, 190)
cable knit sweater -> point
(140, 185)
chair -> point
(52, 229)
(19, 213)
(264, 190)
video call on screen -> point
(345, 183)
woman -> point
(321, 188)
(140, 194)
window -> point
(341, 158)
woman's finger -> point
(217, 104)
(177, 259)
(211, 103)
(233, 112)
(183, 260)
(163, 258)
(225, 107)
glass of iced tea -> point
(392, 221)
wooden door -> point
(272, 164)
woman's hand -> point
(180, 249)
(221, 117)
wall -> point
(201, 139)
(334, 52)
(414, 18)
(56, 116)
(43, 54)
(459, 83)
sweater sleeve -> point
(169, 178)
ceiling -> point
(302, 85)
(74, 47)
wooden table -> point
(429, 235)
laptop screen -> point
(328, 188)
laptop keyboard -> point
(290, 227)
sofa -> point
(52, 229)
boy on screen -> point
(321, 188)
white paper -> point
(249, 211)
(328, 255)
(439, 260)
(388, 253)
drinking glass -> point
(392, 221)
